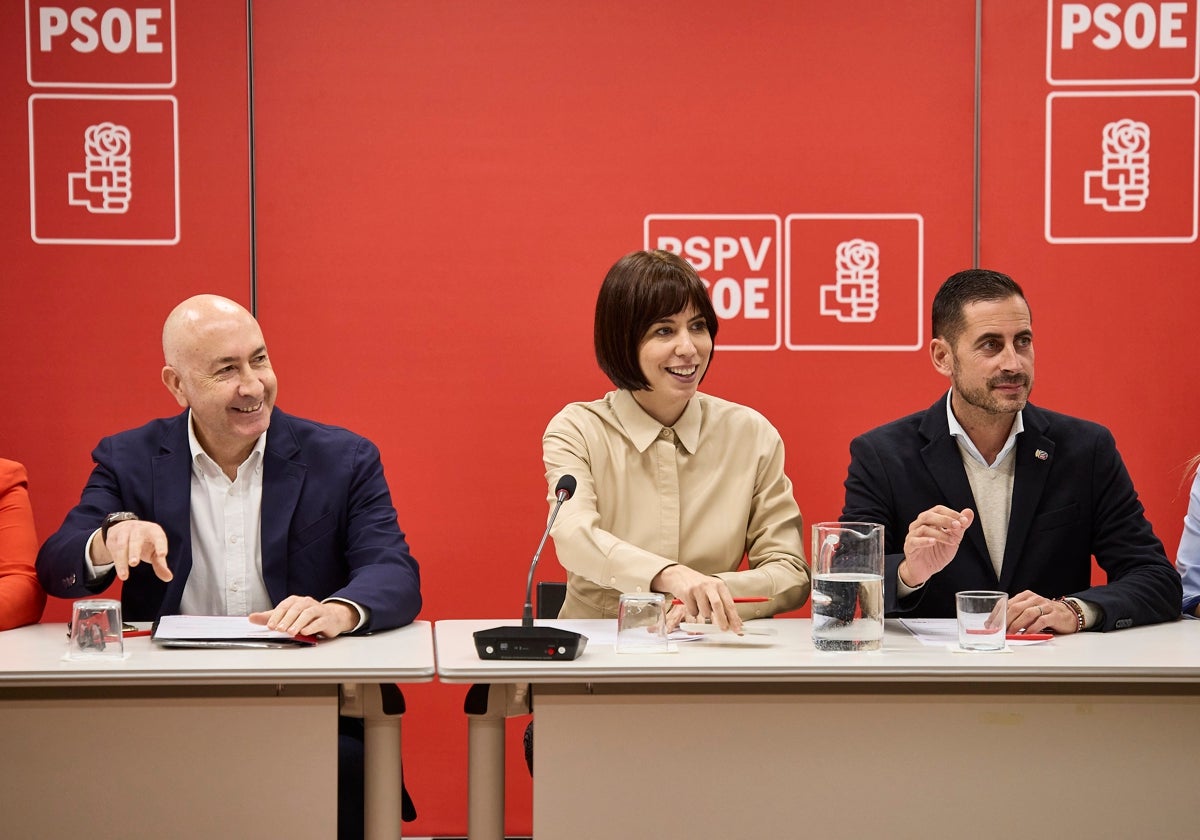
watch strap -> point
(112, 519)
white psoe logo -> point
(1122, 184)
(106, 183)
(854, 296)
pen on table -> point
(757, 599)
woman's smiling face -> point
(673, 356)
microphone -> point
(528, 641)
(564, 490)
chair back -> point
(550, 597)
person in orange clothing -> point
(21, 596)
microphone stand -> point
(528, 641)
(527, 615)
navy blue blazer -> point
(1072, 500)
(328, 524)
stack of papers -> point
(221, 631)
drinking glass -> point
(642, 623)
(96, 630)
(982, 619)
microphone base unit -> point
(540, 643)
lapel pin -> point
(1041, 454)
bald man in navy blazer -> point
(983, 490)
(235, 508)
(328, 530)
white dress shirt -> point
(226, 576)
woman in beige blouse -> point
(675, 487)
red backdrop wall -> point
(439, 189)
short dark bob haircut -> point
(964, 288)
(641, 288)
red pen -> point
(757, 599)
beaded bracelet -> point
(1075, 608)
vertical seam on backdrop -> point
(976, 163)
(253, 221)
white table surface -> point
(1163, 653)
(205, 719)
(755, 721)
(33, 656)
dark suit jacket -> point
(328, 524)
(1072, 499)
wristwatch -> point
(112, 519)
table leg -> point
(487, 706)
(381, 707)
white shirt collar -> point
(204, 461)
(964, 440)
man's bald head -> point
(185, 329)
(216, 364)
